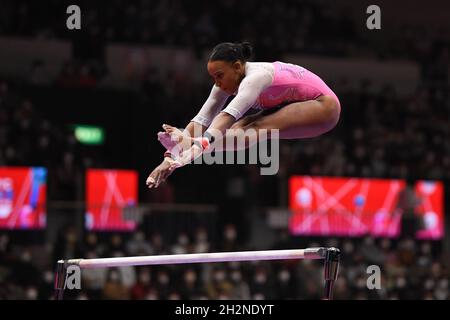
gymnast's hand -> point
(174, 140)
(160, 173)
(188, 156)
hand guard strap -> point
(202, 143)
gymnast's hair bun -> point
(231, 52)
(247, 50)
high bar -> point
(308, 254)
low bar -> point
(330, 255)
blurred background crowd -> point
(410, 269)
(383, 133)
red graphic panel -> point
(356, 207)
(108, 192)
(23, 197)
(431, 208)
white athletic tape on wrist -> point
(202, 142)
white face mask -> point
(230, 234)
(114, 276)
(307, 262)
(118, 254)
(348, 247)
(174, 296)
(426, 248)
(423, 261)
(443, 284)
(190, 277)
(183, 240)
(139, 236)
(429, 284)
(157, 241)
(32, 293)
(144, 278)
(151, 296)
(236, 276)
(258, 296)
(284, 276)
(3, 242)
(201, 236)
(360, 283)
(260, 278)
(368, 241)
(163, 278)
(385, 244)
(219, 275)
(401, 282)
(48, 277)
(26, 256)
(92, 239)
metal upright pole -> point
(331, 270)
(60, 279)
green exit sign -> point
(89, 134)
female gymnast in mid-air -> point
(291, 98)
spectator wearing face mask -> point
(138, 245)
(407, 203)
(260, 284)
(114, 288)
(284, 284)
(163, 283)
(182, 246)
(143, 284)
(93, 280)
(241, 290)
(191, 287)
(219, 286)
(201, 244)
(230, 235)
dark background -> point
(385, 131)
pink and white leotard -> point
(265, 85)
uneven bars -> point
(330, 255)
